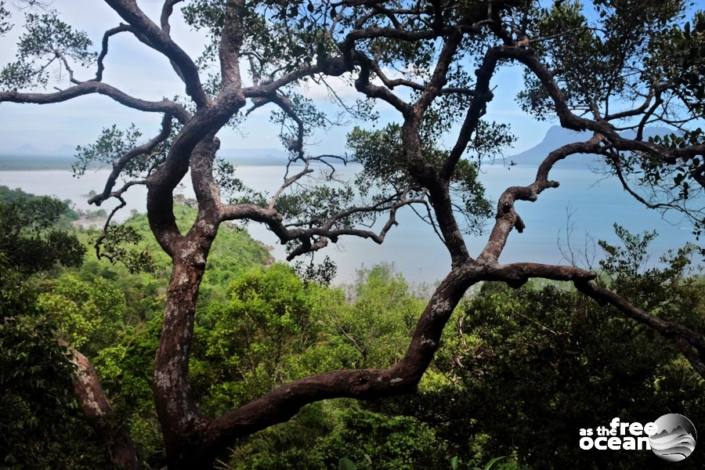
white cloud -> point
(318, 90)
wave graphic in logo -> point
(675, 437)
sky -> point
(139, 71)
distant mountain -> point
(34, 162)
(28, 157)
(558, 136)
(26, 149)
(249, 156)
(29, 150)
(65, 151)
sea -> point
(563, 226)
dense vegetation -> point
(519, 372)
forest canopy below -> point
(495, 397)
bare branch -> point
(323, 229)
(517, 274)
(95, 87)
(230, 43)
(507, 218)
(364, 85)
(392, 83)
(167, 11)
(119, 196)
(440, 72)
(153, 36)
(481, 96)
(288, 181)
(332, 66)
(104, 48)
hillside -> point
(233, 252)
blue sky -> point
(139, 71)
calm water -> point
(412, 247)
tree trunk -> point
(97, 409)
(181, 423)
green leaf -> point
(346, 464)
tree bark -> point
(180, 420)
(97, 409)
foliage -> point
(110, 146)
(523, 370)
(111, 313)
(519, 371)
(133, 250)
(37, 407)
(85, 313)
(5, 26)
(625, 51)
(385, 170)
(29, 229)
(271, 328)
(46, 40)
(370, 331)
(291, 329)
(38, 411)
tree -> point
(611, 73)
